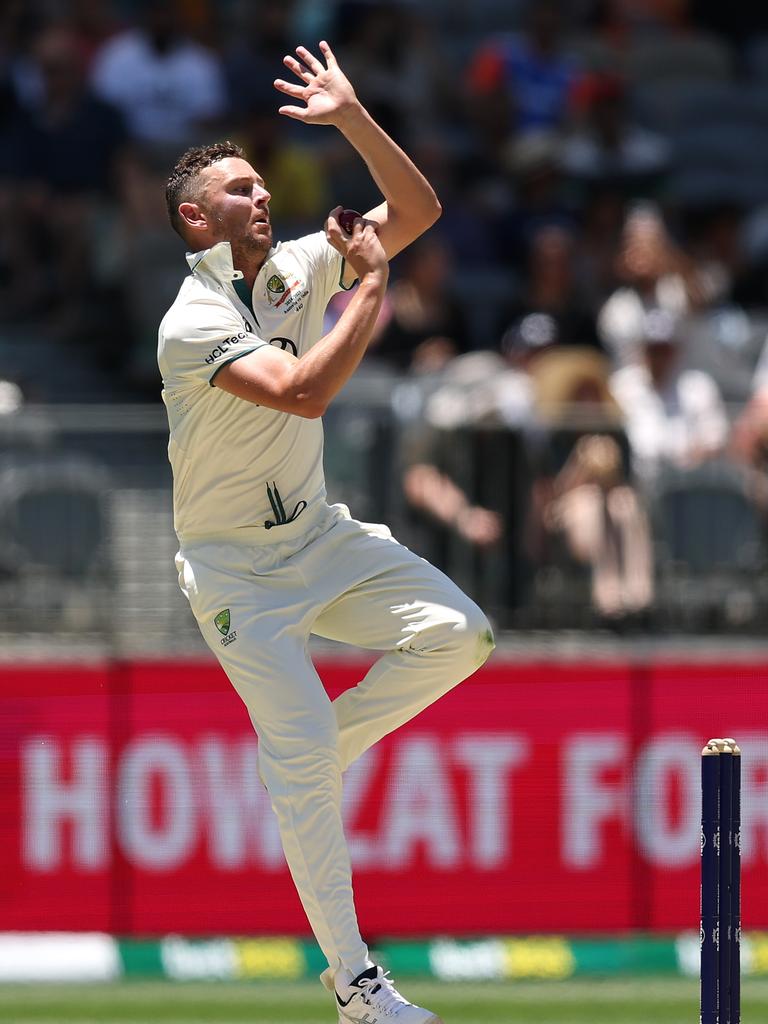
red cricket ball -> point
(347, 220)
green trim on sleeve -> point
(231, 359)
(345, 288)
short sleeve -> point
(205, 338)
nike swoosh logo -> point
(341, 1002)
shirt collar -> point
(217, 262)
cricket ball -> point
(347, 220)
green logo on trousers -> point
(221, 622)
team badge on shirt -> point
(286, 292)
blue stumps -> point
(724, 899)
(720, 882)
(710, 873)
(735, 885)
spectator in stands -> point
(482, 388)
(265, 32)
(466, 225)
(550, 289)
(655, 273)
(605, 145)
(601, 519)
(67, 154)
(430, 489)
(749, 436)
(599, 232)
(551, 394)
(535, 378)
(167, 86)
(675, 418)
(530, 193)
(93, 22)
(523, 82)
(714, 232)
(70, 139)
(474, 393)
(421, 326)
(748, 444)
(571, 389)
(401, 63)
(458, 513)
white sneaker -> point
(371, 998)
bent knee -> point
(473, 636)
(480, 636)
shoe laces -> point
(380, 994)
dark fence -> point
(87, 543)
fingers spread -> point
(298, 113)
(330, 60)
(310, 60)
(297, 91)
(298, 69)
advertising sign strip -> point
(564, 798)
(502, 958)
(55, 957)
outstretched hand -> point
(326, 91)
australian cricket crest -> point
(275, 287)
(284, 289)
(223, 622)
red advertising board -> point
(535, 797)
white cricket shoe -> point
(371, 998)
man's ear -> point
(193, 215)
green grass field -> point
(631, 1001)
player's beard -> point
(251, 250)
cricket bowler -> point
(263, 559)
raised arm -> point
(410, 205)
(305, 386)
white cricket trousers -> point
(257, 597)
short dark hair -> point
(180, 187)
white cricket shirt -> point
(236, 464)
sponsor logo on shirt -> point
(285, 344)
(224, 346)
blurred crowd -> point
(597, 282)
